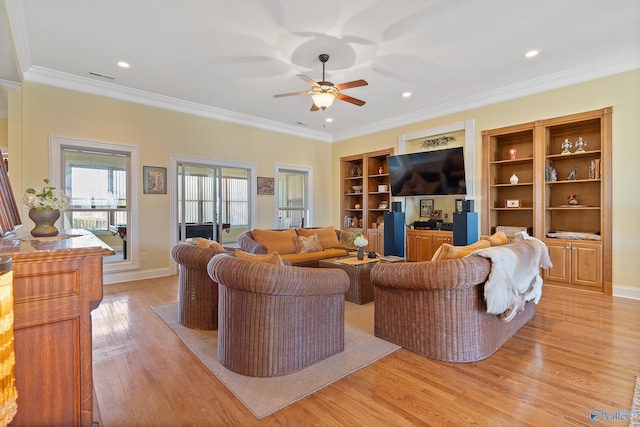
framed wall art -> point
(266, 186)
(459, 205)
(436, 214)
(512, 203)
(426, 206)
(155, 180)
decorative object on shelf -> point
(572, 174)
(512, 153)
(513, 179)
(380, 170)
(436, 214)
(357, 206)
(360, 241)
(357, 188)
(434, 142)
(594, 169)
(565, 146)
(383, 205)
(358, 170)
(550, 174)
(573, 199)
(352, 171)
(580, 143)
(382, 188)
(512, 203)
(45, 204)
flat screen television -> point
(428, 173)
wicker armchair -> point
(275, 320)
(197, 293)
(437, 309)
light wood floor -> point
(581, 352)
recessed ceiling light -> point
(406, 94)
(532, 53)
(123, 64)
(328, 120)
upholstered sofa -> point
(438, 308)
(297, 246)
(277, 319)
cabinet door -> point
(585, 264)
(425, 244)
(559, 254)
(413, 246)
(376, 240)
(438, 239)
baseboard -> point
(129, 276)
(626, 292)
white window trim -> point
(276, 173)
(133, 231)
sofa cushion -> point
(206, 243)
(297, 259)
(283, 242)
(447, 251)
(327, 235)
(272, 258)
(347, 238)
(496, 239)
(308, 244)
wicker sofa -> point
(284, 242)
(437, 309)
(276, 319)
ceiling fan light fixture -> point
(323, 100)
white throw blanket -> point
(515, 274)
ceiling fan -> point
(323, 93)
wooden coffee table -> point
(360, 288)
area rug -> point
(634, 420)
(264, 396)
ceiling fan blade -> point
(291, 94)
(355, 83)
(355, 101)
(308, 80)
(314, 107)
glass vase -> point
(360, 253)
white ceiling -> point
(226, 59)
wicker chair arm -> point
(450, 274)
(192, 256)
(271, 279)
(249, 245)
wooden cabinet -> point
(376, 240)
(575, 263)
(552, 171)
(56, 285)
(422, 244)
(366, 191)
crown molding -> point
(17, 21)
(86, 85)
(595, 70)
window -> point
(293, 206)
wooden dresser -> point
(56, 285)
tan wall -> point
(620, 91)
(4, 132)
(159, 133)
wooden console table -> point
(56, 284)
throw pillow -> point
(281, 241)
(309, 244)
(447, 251)
(206, 243)
(272, 258)
(327, 235)
(496, 239)
(346, 240)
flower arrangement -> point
(360, 241)
(46, 197)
